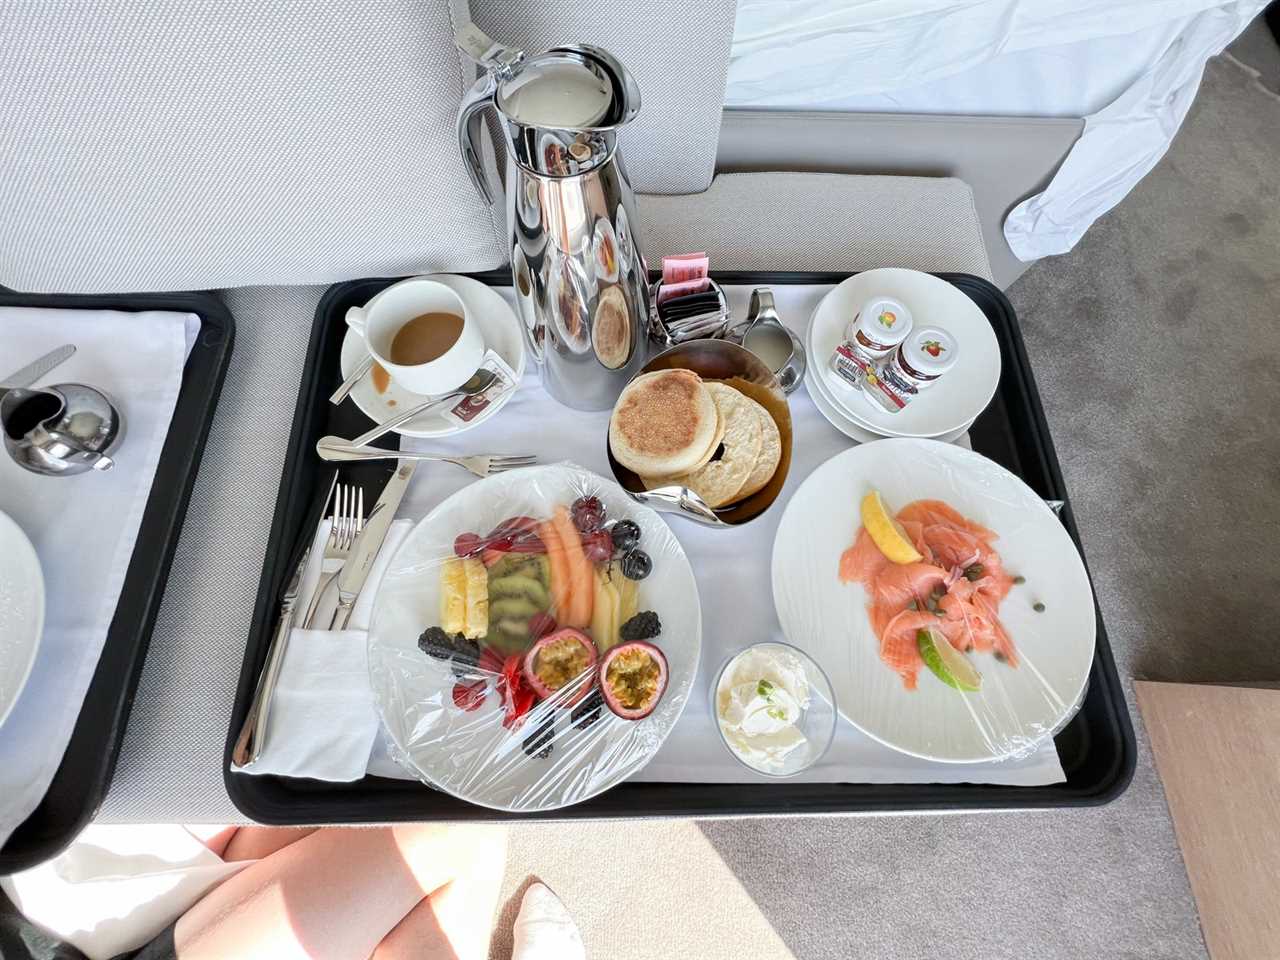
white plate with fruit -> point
(534, 640)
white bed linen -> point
(1129, 67)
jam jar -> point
(917, 364)
(871, 337)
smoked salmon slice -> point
(955, 590)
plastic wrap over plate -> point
(1048, 613)
(453, 722)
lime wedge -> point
(947, 663)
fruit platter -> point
(535, 640)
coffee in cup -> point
(420, 332)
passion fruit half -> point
(633, 678)
(556, 659)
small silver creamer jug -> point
(61, 430)
(580, 279)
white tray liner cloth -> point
(732, 568)
(83, 527)
(1130, 68)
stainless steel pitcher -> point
(580, 279)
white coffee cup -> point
(379, 320)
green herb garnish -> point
(777, 713)
(764, 688)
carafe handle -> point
(499, 63)
(470, 124)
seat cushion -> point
(820, 221)
(679, 55)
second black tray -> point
(85, 772)
(1096, 748)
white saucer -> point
(819, 393)
(501, 331)
(21, 611)
(956, 399)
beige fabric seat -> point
(820, 221)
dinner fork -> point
(345, 523)
(482, 465)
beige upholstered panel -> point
(679, 55)
(231, 142)
(820, 221)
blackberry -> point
(538, 744)
(586, 713)
(643, 626)
(461, 654)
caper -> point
(1019, 579)
(974, 572)
(1038, 607)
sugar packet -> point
(468, 408)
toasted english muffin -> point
(663, 424)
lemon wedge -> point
(885, 532)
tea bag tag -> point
(487, 52)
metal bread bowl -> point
(717, 360)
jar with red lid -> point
(917, 364)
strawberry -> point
(517, 697)
(491, 661)
(469, 696)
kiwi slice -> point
(513, 608)
(521, 587)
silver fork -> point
(482, 466)
(347, 521)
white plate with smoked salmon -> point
(943, 597)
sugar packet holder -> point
(710, 324)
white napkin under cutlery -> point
(323, 723)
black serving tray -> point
(82, 778)
(1096, 748)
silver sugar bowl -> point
(60, 431)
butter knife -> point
(253, 733)
(365, 550)
(38, 368)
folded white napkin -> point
(322, 723)
(83, 527)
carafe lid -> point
(555, 91)
(575, 88)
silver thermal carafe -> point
(579, 276)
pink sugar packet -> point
(684, 267)
(669, 290)
(468, 408)
(684, 273)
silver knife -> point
(36, 369)
(369, 541)
(253, 733)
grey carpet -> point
(1155, 346)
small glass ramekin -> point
(817, 722)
